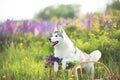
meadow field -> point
(24, 44)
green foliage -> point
(115, 4)
(24, 59)
(66, 11)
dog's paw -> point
(63, 64)
(55, 66)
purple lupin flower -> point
(106, 13)
(50, 27)
(46, 27)
(42, 27)
(52, 59)
(89, 21)
(7, 29)
(11, 25)
(0, 28)
(33, 27)
(23, 27)
(64, 22)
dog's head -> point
(57, 37)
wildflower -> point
(52, 59)
(106, 13)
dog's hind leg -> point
(90, 70)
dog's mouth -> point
(54, 43)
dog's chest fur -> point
(68, 50)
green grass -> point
(21, 64)
(25, 59)
(27, 63)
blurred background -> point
(35, 9)
(26, 25)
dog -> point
(68, 52)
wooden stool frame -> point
(78, 66)
(75, 69)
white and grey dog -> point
(65, 50)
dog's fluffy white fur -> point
(65, 49)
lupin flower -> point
(7, 27)
(23, 27)
(52, 59)
(106, 13)
(34, 28)
(88, 22)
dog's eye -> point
(56, 35)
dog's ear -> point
(61, 29)
(55, 29)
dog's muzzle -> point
(53, 43)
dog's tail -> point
(95, 55)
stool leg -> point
(55, 75)
(81, 74)
(49, 72)
(76, 72)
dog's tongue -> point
(52, 44)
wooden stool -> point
(78, 66)
(74, 70)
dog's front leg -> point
(65, 61)
(64, 64)
(56, 66)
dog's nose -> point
(49, 39)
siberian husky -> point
(65, 50)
